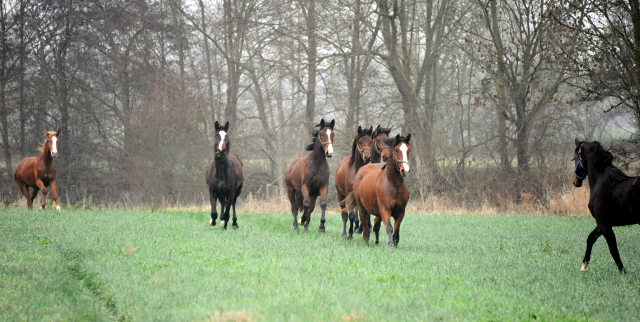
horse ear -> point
(390, 128)
(371, 129)
(333, 122)
(408, 138)
(577, 142)
(226, 126)
(321, 125)
(216, 126)
(58, 133)
(398, 138)
(359, 129)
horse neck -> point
(221, 162)
(358, 162)
(46, 155)
(392, 173)
(317, 155)
(375, 156)
(594, 174)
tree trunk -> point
(312, 51)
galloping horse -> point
(224, 178)
(613, 199)
(380, 154)
(381, 191)
(346, 172)
(308, 177)
(380, 148)
(39, 172)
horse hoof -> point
(223, 224)
(584, 267)
(322, 230)
(211, 223)
(235, 226)
(296, 229)
(58, 208)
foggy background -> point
(493, 92)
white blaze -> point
(330, 147)
(404, 149)
(54, 146)
(223, 134)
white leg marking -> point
(58, 208)
(210, 222)
(584, 267)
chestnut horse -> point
(380, 154)
(39, 172)
(613, 198)
(224, 178)
(381, 191)
(308, 177)
(346, 172)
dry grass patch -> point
(232, 316)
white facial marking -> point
(223, 134)
(404, 149)
(54, 146)
(330, 147)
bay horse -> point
(308, 177)
(224, 178)
(380, 154)
(380, 190)
(39, 172)
(613, 199)
(360, 155)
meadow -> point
(105, 265)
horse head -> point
(325, 136)
(400, 153)
(379, 137)
(52, 142)
(363, 143)
(221, 137)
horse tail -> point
(349, 202)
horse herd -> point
(368, 182)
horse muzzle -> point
(54, 153)
(577, 182)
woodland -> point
(493, 92)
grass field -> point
(92, 265)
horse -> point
(613, 199)
(39, 172)
(360, 155)
(224, 178)
(381, 149)
(380, 190)
(380, 154)
(308, 177)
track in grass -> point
(140, 266)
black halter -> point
(579, 164)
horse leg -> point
(323, 207)
(344, 214)
(364, 223)
(353, 214)
(306, 202)
(32, 197)
(308, 211)
(235, 198)
(613, 247)
(385, 216)
(214, 211)
(54, 194)
(358, 227)
(227, 212)
(396, 228)
(294, 207)
(224, 217)
(42, 187)
(376, 227)
(593, 236)
(25, 191)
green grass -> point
(90, 265)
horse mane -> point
(603, 160)
(364, 132)
(314, 136)
(41, 148)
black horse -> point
(224, 178)
(614, 198)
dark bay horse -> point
(614, 198)
(380, 154)
(224, 178)
(380, 190)
(360, 155)
(380, 148)
(39, 172)
(308, 177)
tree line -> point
(492, 91)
